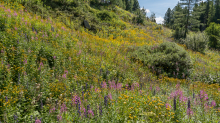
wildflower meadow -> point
(51, 72)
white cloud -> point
(147, 11)
(159, 20)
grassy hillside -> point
(55, 70)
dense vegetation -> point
(195, 15)
(71, 61)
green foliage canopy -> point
(167, 57)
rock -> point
(86, 24)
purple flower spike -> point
(106, 101)
(174, 103)
(188, 103)
(6, 99)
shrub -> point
(179, 33)
(106, 16)
(167, 57)
(213, 32)
(47, 54)
(196, 42)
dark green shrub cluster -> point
(167, 57)
(179, 33)
(106, 15)
(47, 54)
(196, 42)
(213, 32)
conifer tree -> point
(217, 11)
(124, 4)
(120, 3)
(207, 9)
(129, 5)
(188, 4)
(211, 12)
(136, 6)
(168, 17)
(153, 17)
(197, 17)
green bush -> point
(213, 32)
(196, 42)
(179, 33)
(167, 57)
(46, 53)
(106, 15)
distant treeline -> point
(129, 5)
(194, 15)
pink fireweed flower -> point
(16, 28)
(119, 85)
(41, 64)
(96, 89)
(9, 66)
(84, 111)
(52, 110)
(150, 87)
(79, 52)
(76, 100)
(203, 96)
(59, 117)
(63, 28)
(111, 84)
(90, 112)
(168, 105)
(66, 71)
(25, 61)
(63, 108)
(213, 104)
(104, 85)
(15, 14)
(189, 112)
(137, 85)
(8, 10)
(158, 89)
(110, 96)
(178, 86)
(25, 73)
(64, 76)
(126, 86)
(140, 91)
(37, 121)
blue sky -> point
(159, 7)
